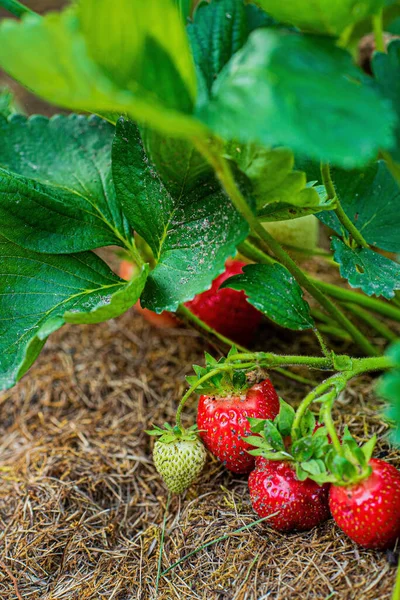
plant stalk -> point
(187, 316)
(372, 321)
(341, 215)
(377, 22)
(16, 8)
(251, 251)
(224, 174)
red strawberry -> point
(369, 511)
(274, 488)
(165, 319)
(227, 311)
(223, 425)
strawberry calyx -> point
(170, 435)
(274, 442)
(313, 455)
(228, 380)
(351, 465)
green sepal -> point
(273, 437)
(171, 434)
(270, 454)
(284, 420)
(307, 423)
(223, 383)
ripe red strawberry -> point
(275, 488)
(223, 425)
(227, 311)
(369, 511)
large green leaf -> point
(322, 16)
(371, 199)
(56, 188)
(40, 292)
(191, 236)
(179, 165)
(386, 68)
(274, 292)
(366, 269)
(220, 29)
(110, 61)
(143, 48)
(286, 89)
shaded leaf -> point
(253, 100)
(371, 200)
(366, 269)
(56, 188)
(180, 167)
(40, 292)
(276, 186)
(274, 292)
(218, 31)
(190, 236)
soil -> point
(82, 508)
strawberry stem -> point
(267, 241)
(206, 377)
(341, 215)
(187, 316)
(254, 253)
(328, 421)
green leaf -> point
(276, 186)
(56, 189)
(322, 16)
(127, 41)
(190, 236)
(218, 31)
(386, 68)
(116, 61)
(285, 89)
(40, 292)
(180, 167)
(274, 292)
(366, 269)
(371, 200)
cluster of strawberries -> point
(295, 483)
(365, 505)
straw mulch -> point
(82, 508)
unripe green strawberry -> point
(179, 457)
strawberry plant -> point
(208, 143)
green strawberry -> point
(179, 456)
